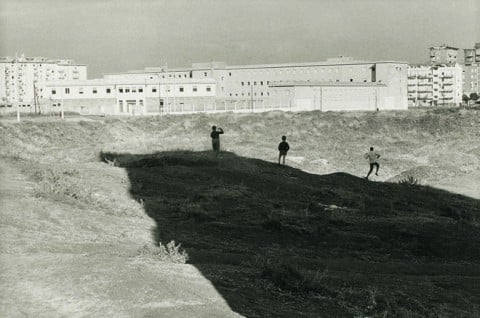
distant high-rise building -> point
(443, 55)
(471, 70)
(472, 55)
(23, 79)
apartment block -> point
(444, 55)
(23, 79)
(434, 85)
(471, 70)
(472, 56)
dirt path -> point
(62, 261)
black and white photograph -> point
(240, 158)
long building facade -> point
(133, 96)
(340, 84)
(23, 80)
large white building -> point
(133, 96)
(336, 84)
(435, 85)
(23, 80)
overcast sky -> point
(120, 35)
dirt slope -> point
(79, 228)
(63, 260)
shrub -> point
(409, 180)
(171, 253)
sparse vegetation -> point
(264, 236)
(410, 180)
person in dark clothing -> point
(372, 157)
(215, 134)
(283, 148)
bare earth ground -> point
(84, 201)
(59, 260)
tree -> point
(465, 98)
(473, 96)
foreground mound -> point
(279, 242)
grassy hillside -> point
(312, 239)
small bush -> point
(171, 253)
(410, 180)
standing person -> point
(372, 157)
(215, 134)
(283, 148)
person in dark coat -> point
(283, 148)
(215, 135)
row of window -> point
(255, 83)
(254, 94)
(181, 89)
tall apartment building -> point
(335, 84)
(471, 70)
(444, 55)
(23, 79)
(434, 85)
(472, 56)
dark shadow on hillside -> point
(278, 242)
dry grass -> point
(278, 241)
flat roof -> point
(222, 65)
(113, 81)
(444, 47)
(326, 84)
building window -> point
(67, 90)
(140, 90)
(194, 88)
(140, 102)
(230, 94)
(229, 73)
(127, 90)
(54, 91)
(209, 88)
(94, 90)
(80, 90)
(248, 83)
(180, 89)
(205, 74)
(134, 90)
(108, 90)
(120, 90)
(243, 83)
(154, 89)
(261, 82)
(255, 83)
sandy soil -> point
(59, 260)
